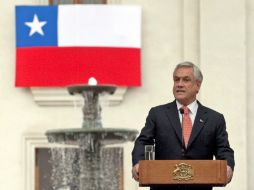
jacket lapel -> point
(200, 120)
(173, 116)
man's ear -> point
(198, 85)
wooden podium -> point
(176, 172)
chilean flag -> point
(68, 44)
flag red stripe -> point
(61, 66)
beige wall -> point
(215, 34)
(250, 90)
(223, 59)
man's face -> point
(185, 86)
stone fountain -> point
(89, 161)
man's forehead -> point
(184, 72)
(183, 76)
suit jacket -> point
(208, 138)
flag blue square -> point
(30, 36)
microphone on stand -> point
(183, 144)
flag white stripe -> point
(99, 26)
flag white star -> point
(36, 26)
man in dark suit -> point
(163, 128)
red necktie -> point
(187, 125)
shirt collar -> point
(193, 107)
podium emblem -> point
(183, 172)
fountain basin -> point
(105, 136)
(97, 89)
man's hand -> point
(229, 174)
(135, 173)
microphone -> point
(183, 144)
(181, 111)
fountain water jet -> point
(91, 164)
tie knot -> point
(186, 109)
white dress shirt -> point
(193, 108)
